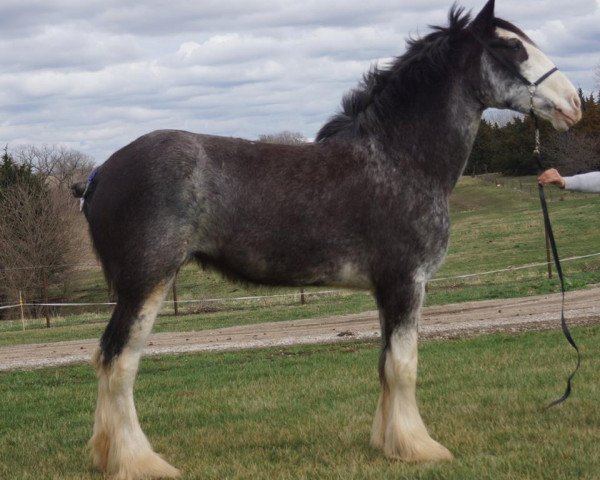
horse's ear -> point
(484, 22)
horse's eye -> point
(509, 44)
(513, 44)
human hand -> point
(552, 177)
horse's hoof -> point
(416, 450)
(150, 466)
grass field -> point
(495, 227)
(305, 412)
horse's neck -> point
(438, 138)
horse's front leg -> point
(398, 428)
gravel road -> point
(443, 321)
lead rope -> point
(548, 227)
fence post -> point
(21, 306)
(46, 308)
(302, 297)
(175, 308)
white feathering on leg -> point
(119, 446)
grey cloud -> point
(94, 75)
(153, 17)
(63, 48)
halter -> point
(532, 87)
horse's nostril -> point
(576, 101)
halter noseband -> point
(531, 86)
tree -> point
(482, 156)
(285, 138)
(582, 99)
(55, 164)
(11, 172)
(590, 121)
(41, 233)
(572, 152)
(515, 147)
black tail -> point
(78, 189)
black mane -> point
(426, 60)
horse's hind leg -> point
(398, 428)
(119, 447)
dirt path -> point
(444, 321)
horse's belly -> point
(287, 260)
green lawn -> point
(305, 412)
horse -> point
(366, 205)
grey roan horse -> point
(364, 206)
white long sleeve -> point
(585, 182)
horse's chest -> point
(425, 234)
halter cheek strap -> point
(533, 86)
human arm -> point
(585, 182)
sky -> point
(94, 75)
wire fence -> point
(297, 296)
(514, 268)
(191, 301)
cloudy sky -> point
(95, 74)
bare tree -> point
(55, 164)
(39, 241)
(574, 152)
(42, 237)
(285, 138)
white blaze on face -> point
(555, 98)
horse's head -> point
(516, 74)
